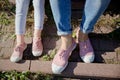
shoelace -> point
(18, 48)
(37, 44)
(85, 45)
(62, 54)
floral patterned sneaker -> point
(86, 51)
(37, 47)
(60, 60)
(18, 53)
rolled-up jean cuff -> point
(86, 32)
(19, 33)
(39, 28)
(64, 33)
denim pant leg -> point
(92, 11)
(21, 13)
(61, 10)
(39, 13)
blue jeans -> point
(21, 14)
(92, 11)
(58, 7)
(61, 10)
(62, 15)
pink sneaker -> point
(37, 47)
(60, 60)
(18, 53)
(86, 51)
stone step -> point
(74, 69)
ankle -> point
(66, 41)
(20, 43)
(36, 38)
(66, 37)
(82, 37)
(37, 33)
(20, 39)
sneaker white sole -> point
(15, 59)
(37, 53)
(88, 58)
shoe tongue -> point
(20, 46)
(60, 51)
(17, 48)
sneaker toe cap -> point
(88, 58)
(15, 59)
(58, 69)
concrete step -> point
(74, 69)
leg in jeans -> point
(62, 15)
(20, 19)
(20, 22)
(37, 47)
(92, 11)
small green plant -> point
(50, 56)
(44, 76)
(13, 36)
(46, 57)
(117, 21)
(4, 19)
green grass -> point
(6, 6)
(50, 56)
(26, 75)
(14, 75)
